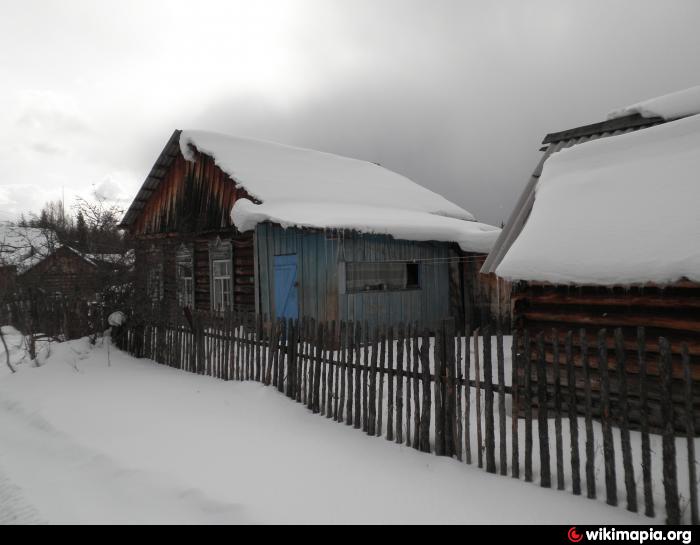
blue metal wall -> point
(318, 255)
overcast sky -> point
(456, 95)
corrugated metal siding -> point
(318, 255)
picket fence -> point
(435, 391)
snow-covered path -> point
(137, 442)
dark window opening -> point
(390, 276)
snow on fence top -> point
(307, 188)
(615, 211)
(671, 106)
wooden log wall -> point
(672, 313)
(410, 388)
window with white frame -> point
(184, 273)
(221, 279)
(221, 267)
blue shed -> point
(336, 275)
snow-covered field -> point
(96, 436)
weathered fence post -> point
(624, 421)
(488, 402)
(608, 446)
(690, 433)
(673, 512)
(590, 467)
(573, 415)
(426, 405)
(542, 416)
(503, 454)
(515, 405)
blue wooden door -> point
(286, 298)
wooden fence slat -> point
(350, 359)
(590, 453)
(439, 408)
(624, 422)
(467, 397)
(606, 420)
(690, 434)
(501, 373)
(644, 423)
(399, 383)
(382, 372)
(542, 416)
(416, 388)
(527, 389)
(342, 371)
(408, 354)
(515, 406)
(451, 440)
(459, 384)
(365, 380)
(358, 376)
(372, 424)
(390, 387)
(670, 477)
(558, 439)
(573, 415)
(477, 376)
(426, 404)
(488, 402)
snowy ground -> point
(133, 441)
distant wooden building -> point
(227, 223)
(605, 274)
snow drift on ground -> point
(94, 435)
(307, 188)
(618, 210)
(671, 106)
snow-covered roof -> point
(23, 247)
(618, 210)
(307, 188)
(671, 106)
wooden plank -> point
(390, 388)
(515, 405)
(358, 376)
(408, 354)
(624, 422)
(573, 416)
(477, 378)
(467, 397)
(542, 416)
(644, 422)
(365, 380)
(559, 442)
(350, 358)
(399, 382)
(372, 424)
(382, 372)
(438, 393)
(343, 369)
(489, 430)
(527, 389)
(606, 421)
(690, 438)
(590, 446)
(458, 413)
(500, 362)
(670, 477)
(426, 404)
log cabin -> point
(606, 234)
(225, 223)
